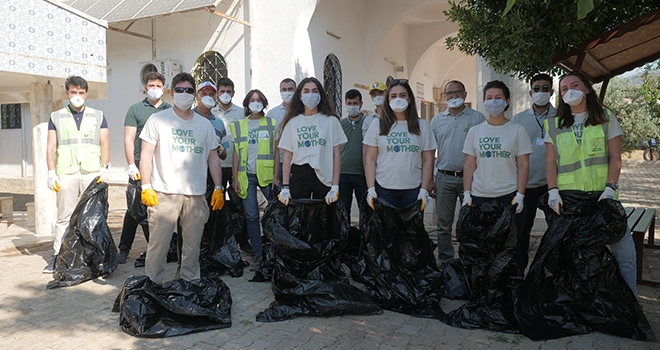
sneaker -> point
(123, 256)
(246, 248)
(256, 263)
(50, 268)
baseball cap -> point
(206, 84)
(377, 85)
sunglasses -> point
(397, 82)
(544, 88)
(187, 90)
(454, 93)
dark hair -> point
(288, 80)
(296, 106)
(497, 84)
(224, 81)
(454, 82)
(246, 101)
(540, 76)
(353, 93)
(389, 118)
(154, 76)
(595, 113)
(75, 80)
(182, 77)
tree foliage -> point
(650, 89)
(523, 41)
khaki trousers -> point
(71, 187)
(194, 212)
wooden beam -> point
(603, 89)
(224, 15)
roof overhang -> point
(114, 11)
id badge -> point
(539, 141)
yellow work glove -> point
(53, 181)
(149, 196)
(217, 199)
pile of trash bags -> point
(308, 279)
(88, 250)
(573, 285)
(178, 307)
(396, 261)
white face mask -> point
(286, 96)
(225, 98)
(573, 97)
(208, 101)
(256, 107)
(353, 110)
(541, 98)
(155, 94)
(77, 101)
(378, 100)
(183, 100)
(455, 102)
(495, 107)
(398, 105)
(311, 100)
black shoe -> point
(246, 248)
(139, 262)
(50, 268)
(123, 256)
(256, 263)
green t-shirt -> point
(137, 116)
(351, 152)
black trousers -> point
(305, 184)
(525, 221)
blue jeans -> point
(626, 258)
(349, 183)
(397, 198)
(252, 212)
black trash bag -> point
(265, 272)
(574, 285)
(308, 278)
(174, 252)
(136, 209)
(219, 252)
(486, 272)
(88, 250)
(351, 254)
(397, 264)
(178, 307)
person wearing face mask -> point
(228, 112)
(136, 116)
(176, 144)
(254, 163)
(532, 119)
(377, 93)
(78, 151)
(450, 129)
(310, 138)
(590, 136)
(205, 98)
(287, 89)
(496, 154)
(351, 178)
(399, 151)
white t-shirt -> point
(613, 131)
(311, 140)
(278, 113)
(496, 148)
(182, 152)
(253, 145)
(399, 160)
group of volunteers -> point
(304, 148)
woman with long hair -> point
(310, 138)
(400, 151)
(583, 152)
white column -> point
(41, 105)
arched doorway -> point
(210, 66)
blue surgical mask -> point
(311, 100)
(494, 107)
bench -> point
(7, 207)
(641, 222)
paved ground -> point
(80, 317)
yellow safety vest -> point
(77, 150)
(265, 153)
(582, 167)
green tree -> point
(523, 41)
(650, 89)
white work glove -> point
(609, 193)
(53, 181)
(467, 199)
(284, 196)
(333, 195)
(133, 172)
(424, 196)
(519, 201)
(103, 174)
(554, 200)
(371, 197)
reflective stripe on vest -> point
(582, 166)
(265, 155)
(78, 150)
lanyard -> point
(539, 123)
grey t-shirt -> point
(278, 113)
(533, 123)
(450, 132)
(253, 145)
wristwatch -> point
(613, 185)
(221, 188)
